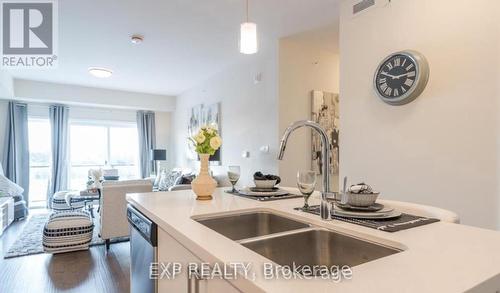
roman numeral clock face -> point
(397, 79)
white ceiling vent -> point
(363, 5)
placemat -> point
(403, 222)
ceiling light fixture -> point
(248, 36)
(100, 72)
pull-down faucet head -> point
(325, 159)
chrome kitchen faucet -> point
(325, 157)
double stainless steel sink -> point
(287, 241)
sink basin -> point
(288, 242)
(318, 247)
(248, 225)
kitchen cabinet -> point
(171, 252)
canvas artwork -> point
(325, 112)
(201, 115)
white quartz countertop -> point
(439, 257)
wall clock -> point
(401, 77)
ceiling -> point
(186, 41)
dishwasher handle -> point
(147, 228)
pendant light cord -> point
(247, 10)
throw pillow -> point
(9, 188)
(170, 180)
(178, 180)
(187, 178)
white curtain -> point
(59, 146)
(147, 140)
(16, 161)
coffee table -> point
(88, 199)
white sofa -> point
(113, 206)
(175, 182)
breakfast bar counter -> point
(438, 257)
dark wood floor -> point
(93, 270)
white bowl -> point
(265, 183)
(362, 199)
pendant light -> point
(248, 36)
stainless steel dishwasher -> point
(143, 251)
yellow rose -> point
(199, 138)
(215, 142)
(210, 130)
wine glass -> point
(306, 182)
(233, 173)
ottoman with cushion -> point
(60, 202)
(67, 231)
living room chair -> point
(113, 207)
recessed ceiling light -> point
(136, 39)
(100, 72)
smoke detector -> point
(136, 39)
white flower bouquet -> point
(206, 141)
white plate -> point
(247, 191)
(385, 213)
(385, 210)
(393, 214)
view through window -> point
(40, 157)
(96, 146)
(91, 146)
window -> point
(102, 146)
(40, 157)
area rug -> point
(30, 240)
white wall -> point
(248, 110)
(6, 85)
(163, 122)
(441, 149)
(305, 64)
(86, 113)
(44, 92)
